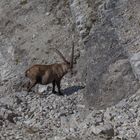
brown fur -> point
(45, 74)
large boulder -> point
(108, 73)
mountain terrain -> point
(101, 99)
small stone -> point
(95, 130)
(42, 88)
(47, 14)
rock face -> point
(82, 14)
(109, 76)
(106, 38)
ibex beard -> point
(46, 74)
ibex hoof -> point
(60, 93)
(54, 92)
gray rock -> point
(95, 130)
(109, 74)
(42, 88)
(7, 101)
(136, 64)
(57, 138)
(82, 13)
(106, 130)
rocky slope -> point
(106, 39)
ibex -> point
(53, 73)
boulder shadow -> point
(70, 90)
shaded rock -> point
(11, 117)
(106, 130)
